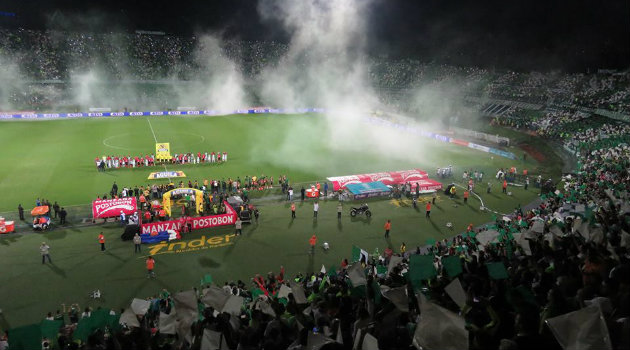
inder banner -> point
(229, 218)
(112, 207)
(388, 178)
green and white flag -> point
(359, 254)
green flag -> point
(452, 265)
(421, 268)
(497, 270)
(50, 329)
(26, 337)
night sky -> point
(572, 35)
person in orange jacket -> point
(466, 194)
(388, 226)
(150, 265)
(505, 186)
(428, 215)
(292, 210)
(313, 241)
(101, 240)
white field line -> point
(156, 141)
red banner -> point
(108, 208)
(229, 218)
(388, 178)
(425, 185)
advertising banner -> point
(229, 218)
(33, 115)
(425, 185)
(163, 151)
(108, 208)
(388, 178)
(459, 142)
(165, 175)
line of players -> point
(115, 162)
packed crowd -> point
(116, 162)
(57, 56)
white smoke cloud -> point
(325, 66)
(12, 83)
(218, 84)
(326, 63)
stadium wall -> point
(156, 113)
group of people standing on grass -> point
(148, 160)
(55, 209)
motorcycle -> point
(363, 209)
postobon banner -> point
(112, 207)
(388, 178)
(163, 151)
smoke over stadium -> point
(314, 174)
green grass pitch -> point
(54, 160)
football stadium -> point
(344, 174)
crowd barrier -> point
(11, 116)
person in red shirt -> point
(313, 241)
(292, 210)
(505, 186)
(466, 196)
(147, 216)
(388, 226)
(150, 266)
(428, 215)
(101, 240)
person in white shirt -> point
(315, 209)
